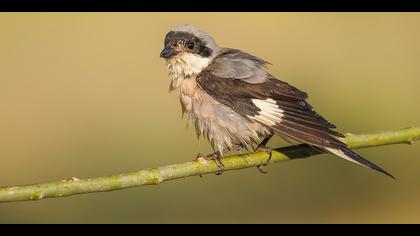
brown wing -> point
(295, 117)
(275, 104)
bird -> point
(235, 103)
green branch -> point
(155, 176)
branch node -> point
(72, 179)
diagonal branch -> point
(155, 176)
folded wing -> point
(238, 80)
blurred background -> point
(86, 94)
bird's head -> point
(187, 51)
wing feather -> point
(237, 80)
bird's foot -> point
(269, 151)
(216, 156)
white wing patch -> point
(270, 113)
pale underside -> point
(224, 128)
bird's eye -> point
(190, 45)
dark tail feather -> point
(354, 157)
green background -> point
(86, 94)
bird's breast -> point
(222, 126)
(189, 87)
(196, 100)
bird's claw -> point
(269, 151)
(216, 157)
(261, 170)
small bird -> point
(235, 103)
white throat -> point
(185, 66)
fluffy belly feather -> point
(224, 128)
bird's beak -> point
(168, 53)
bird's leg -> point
(263, 147)
(239, 147)
(216, 156)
